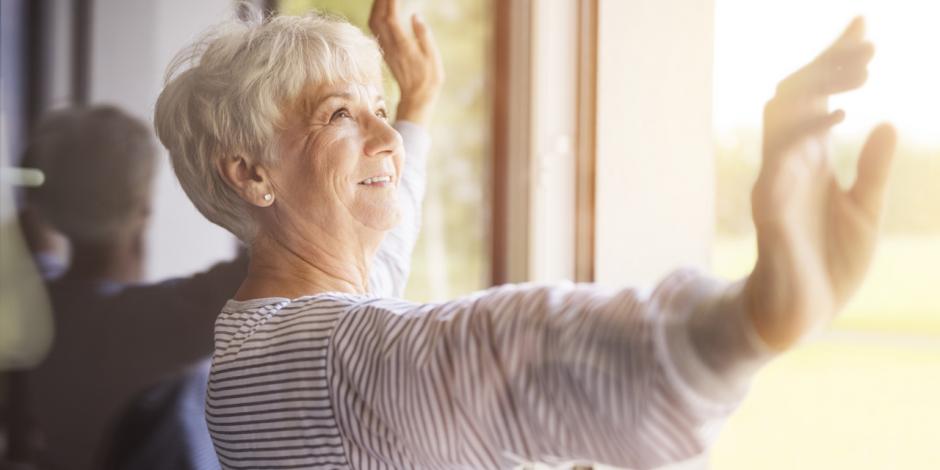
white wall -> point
(554, 122)
(655, 171)
(132, 43)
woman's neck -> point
(277, 269)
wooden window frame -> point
(515, 158)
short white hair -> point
(225, 95)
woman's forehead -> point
(313, 96)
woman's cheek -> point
(400, 163)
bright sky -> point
(758, 42)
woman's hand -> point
(815, 240)
(414, 60)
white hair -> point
(225, 95)
(99, 163)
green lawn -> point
(862, 397)
(840, 404)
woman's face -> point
(340, 160)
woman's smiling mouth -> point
(377, 181)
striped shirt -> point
(516, 373)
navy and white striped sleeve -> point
(552, 374)
(392, 263)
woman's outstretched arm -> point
(551, 374)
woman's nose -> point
(381, 137)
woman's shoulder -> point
(246, 328)
(306, 302)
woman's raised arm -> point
(416, 64)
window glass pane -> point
(862, 396)
(451, 257)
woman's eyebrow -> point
(313, 105)
(309, 105)
(340, 94)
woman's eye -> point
(382, 114)
(340, 113)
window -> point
(452, 255)
(863, 396)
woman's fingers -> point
(784, 129)
(855, 31)
(379, 10)
(821, 124)
(839, 68)
(855, 55)
(800, 107)
(422, 33)
(783, 144)
(835, 71)
(393, 9)
(874, 166)
(384, 23)
(427, 44)
(844, 69)
(851, 37)
(412, 56)
(377, 16)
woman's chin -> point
(381, 218)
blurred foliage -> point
(913, 204)
(452, 254)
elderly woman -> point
(279, 132)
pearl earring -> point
(268, 197)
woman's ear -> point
(251, 181)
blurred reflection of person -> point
(99, 165)
(110, 332)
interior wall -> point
(554, 121)
(655, 169)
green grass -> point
(862, 397)
(839, 404)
